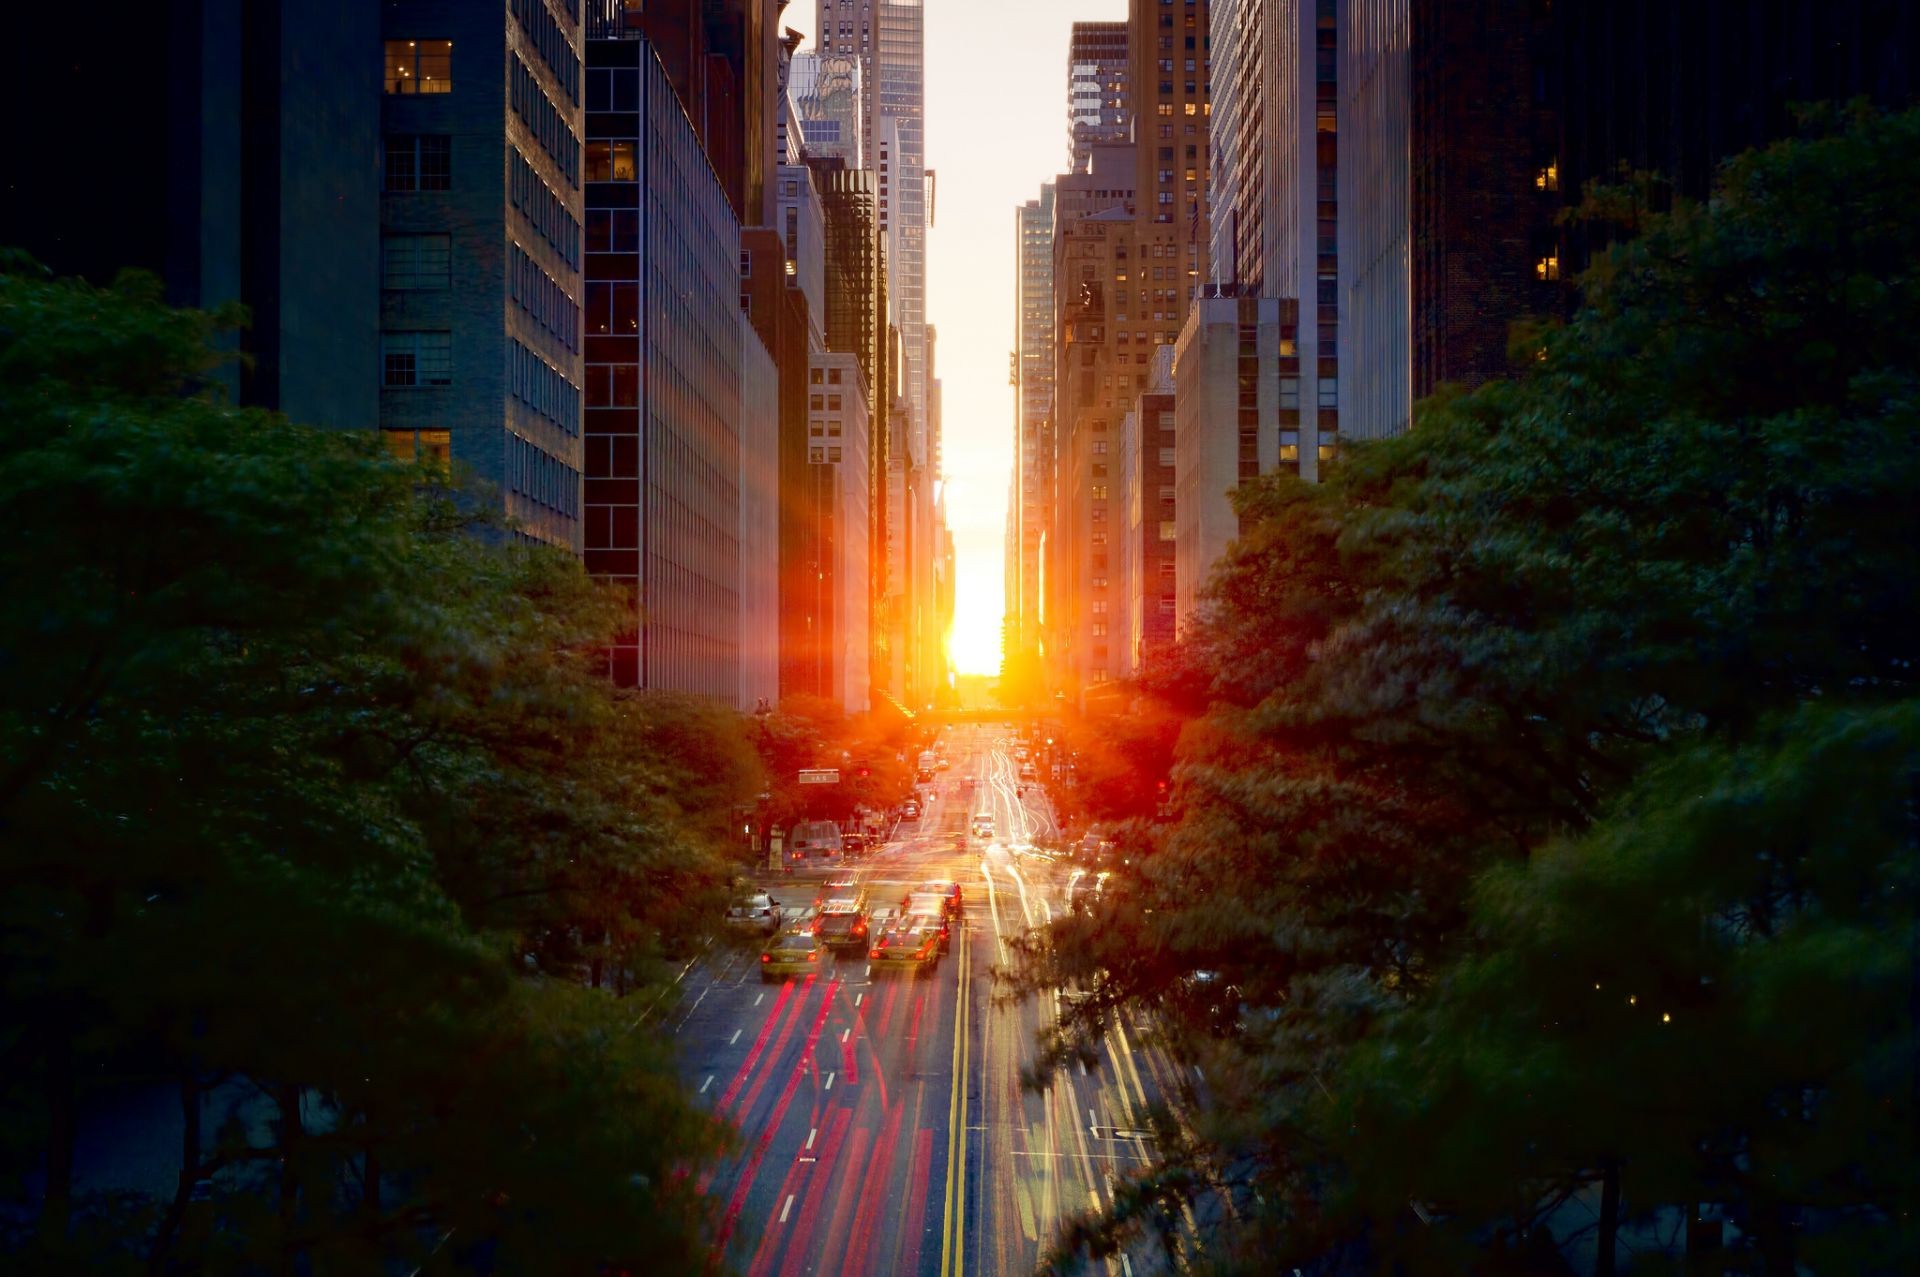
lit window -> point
(1191, 108)
(419, 66)
(1166, 529)
(433, 448)
(1548, 267)
(1548, 178)
(414, 359)
(614, 162)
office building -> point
(825, 91)
(1098, 113)
(1469, 128)
(1093, 275)
(1276, 194)
(1229, 393)
(667, 356)
(408, 246)
(856, 323)
(1143, 608)
(1033, 373)
(839, 435)
(759, 531)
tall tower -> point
(888, 39)
(1098, 105)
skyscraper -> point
(887, 38)
(1032, 445)
(1098, 110)
(825, 89)
(1276, 199)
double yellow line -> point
(954, 1231)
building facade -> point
(663, 381)
(839, 437)
(1098, 110)
(1228, 370)
(1033, 373)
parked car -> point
(754, 911)
(910, 811)
(814, 840)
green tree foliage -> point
(1601, 676)
(310, 786)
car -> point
(910, 811)
(942, 765)
(932, 908)
(983, 825)
(754, 910)
(909, 942)
(842, 923)
(839, 885)
(853, 844)
(814, 839)
(1026, 771)
(792, 952)
(947, 889)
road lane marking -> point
(758, 996)
(810, 1134)
(829, 1085)
(953, 1239)
(735, 1039)
(704, 1085)
(789, 1206)
(845, 1034)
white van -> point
(814, 840)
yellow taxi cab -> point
(910, 943)
(791, 953)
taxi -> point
(910, 943)
(842, 923)
(791, 953)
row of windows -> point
(531, 104)
(542, 477)
(416, 263)
(542, 387)
(543, 298)
(418, 162)
(545, 210)
(551, 41)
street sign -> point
(820, 776)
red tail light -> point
(766, 957)
(874, 952)
(812, 956)
(859, 928)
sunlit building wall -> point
(839, 440)
(663, 381)
(1148, 494)
(1228, 395)
(1033, 374)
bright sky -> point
(996, 128)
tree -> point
(1690, 517)
(310, 787)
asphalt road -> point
(883, 1126)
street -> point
(882, 1122)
